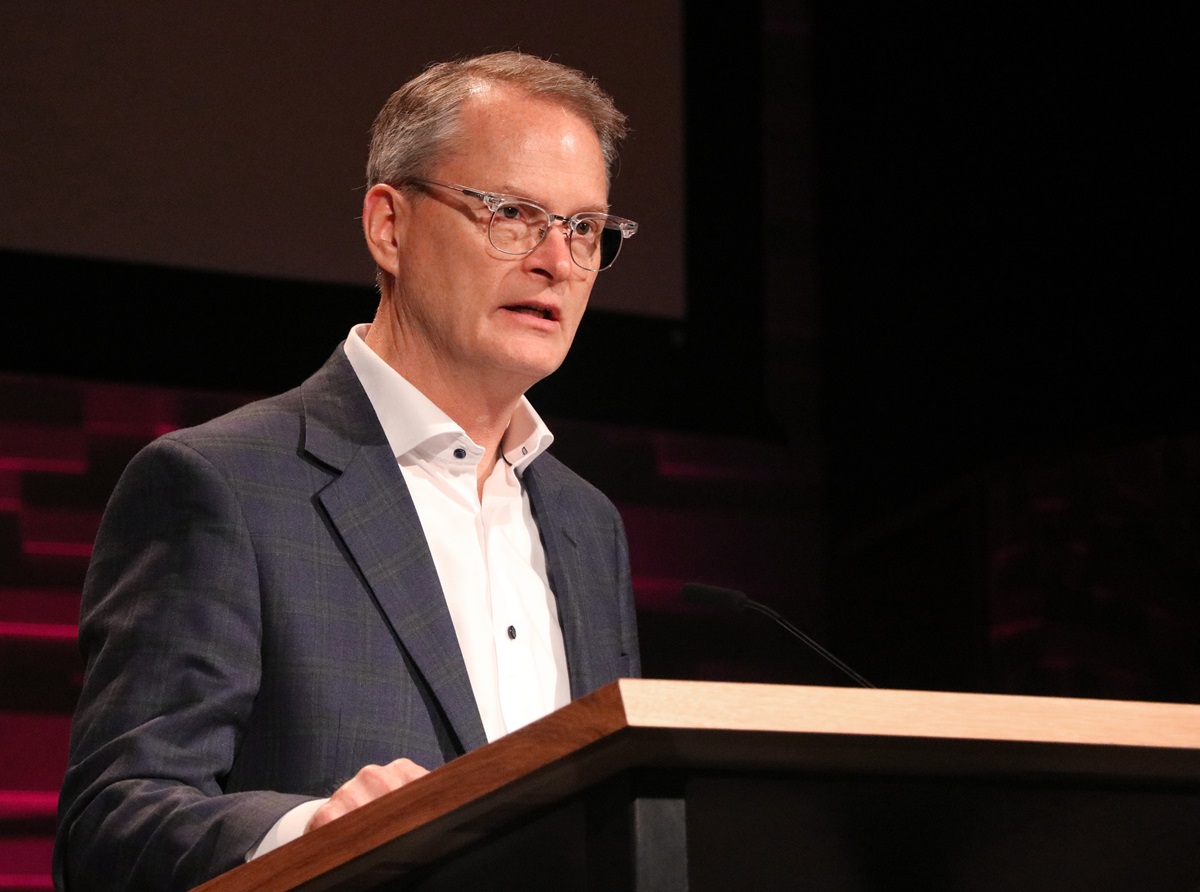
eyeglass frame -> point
(493, 201)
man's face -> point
(468, 313)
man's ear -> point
(384, 209)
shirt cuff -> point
(290, 826)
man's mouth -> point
(531, 310)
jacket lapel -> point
(568, 580)
(370, 506)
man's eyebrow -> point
(509, 191)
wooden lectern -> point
(674, 785)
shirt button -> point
(460, 453)
(512, 632)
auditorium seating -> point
(62, 446)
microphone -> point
(729, 599)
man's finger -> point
(371, 782)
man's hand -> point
(370, 783)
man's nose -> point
(553, 253)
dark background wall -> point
(1005, 236)
(1008, 372)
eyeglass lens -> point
(518, 228)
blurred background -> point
(901, 348)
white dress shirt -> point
(488, 555)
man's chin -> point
(527, 369)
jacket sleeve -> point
(170, 632)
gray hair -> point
(419, 124)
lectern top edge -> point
(900, 713)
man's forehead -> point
(502, 101)
(511, 137)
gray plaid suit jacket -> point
(262, 617)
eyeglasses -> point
(518, 226)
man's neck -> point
(482, 408)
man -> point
(382, 569)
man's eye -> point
(509, 212)
(584, 227)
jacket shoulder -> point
(555, 480)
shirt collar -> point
(412, 423)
